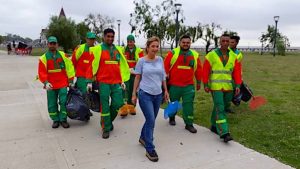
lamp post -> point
(177, 9)
(276, 18)
(119, 22)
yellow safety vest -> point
(69, 65)
(176, 52)
(220, 76)
(239, 55)
(79, 51)
(136, 54)
(124, 68)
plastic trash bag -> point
(93, 101)
(77, 108)
(171, 109)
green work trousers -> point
(110, 110)
(54, 97)
(187, 94)
(127, 94)
(81, 84)
(218, 116)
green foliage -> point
(1, 39)
(267, 39)
(82, 29)
(209, 35)
(159, 21)
(97, 23)
(65, 31)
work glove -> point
(48, 86)
(72, 85)
(206, 89)
(123, 86)
(89, 87)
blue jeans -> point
(150, 107)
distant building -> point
(62, 13)
(43, 34)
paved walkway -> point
(27, 140)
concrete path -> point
(27, 140)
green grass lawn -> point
(273, 129)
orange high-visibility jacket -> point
(58, 70)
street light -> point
(119, 22)
(276, 18)
(177, 9)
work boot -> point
(105, 134)
(142, 142)
(65, 124)
(213, 129)
(191, 128)
(55, 124)
(227, 137)
(152, 156)
(172, 121)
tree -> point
(82, 29)
(209, 35)
(65, 31)
(158, 21)
(97, 23)
(1, 39)
(267, 39)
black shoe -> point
(172, 121)
(142, 142)
(191, 128)
(213, 129)
(226, 137)
(55, 124)
(152, 156)
(229, 111)
(65, 124)
(105, 134)
(90, 113)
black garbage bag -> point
(93, 100)
(77, 108)
(244, 95)
(246, 92)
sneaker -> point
(105, 134)
(90, 113)
(152, 156)
(65, 124)
(142, 142)
(213, 129)
(55, 124)
(191, 128)
(172, 121)
(226, 137)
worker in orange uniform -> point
(132, 54)
(182, 66)
(110, 69)
(82, 60)
(220, 68)
(56, 72)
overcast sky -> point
(247, 17)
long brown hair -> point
(150, 40)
